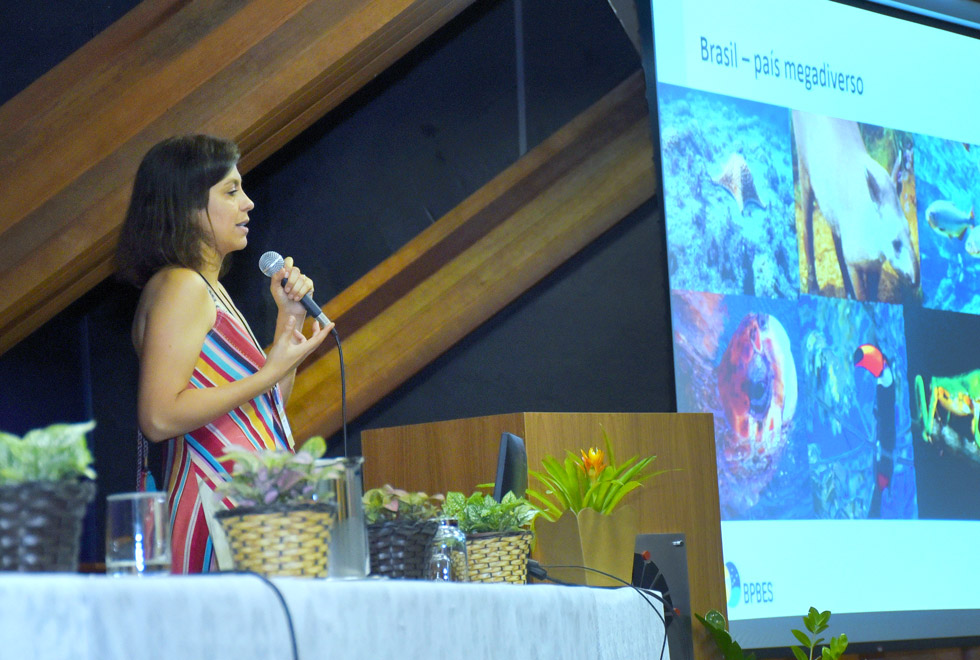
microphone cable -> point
(343, 390)
(539, 572)
(294, 647)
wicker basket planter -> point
(398, 547)
(499, 557)
(291, 541)
(41, 524)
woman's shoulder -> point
(173, 297)
(174, 288)
(179, 281)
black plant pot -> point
(41, 524)
(398, 547)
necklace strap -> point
(225, 301)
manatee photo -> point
(948, 189)
(860, 454)
(728, 194)
(855, 191)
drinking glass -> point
(137, 534)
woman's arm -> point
(178, 316)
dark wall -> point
(357, 186)
(38, 35)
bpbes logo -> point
(749, 593)
(733, 586)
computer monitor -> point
(511, 467)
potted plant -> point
(583, 519)
(400, 525)
(281, 514)
(498, 538)
(45, 486)
(815, 622)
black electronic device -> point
(511, 467)
(660, 563)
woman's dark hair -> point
(171, 187)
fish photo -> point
(948, 178)
(856, 213)
(728, 191)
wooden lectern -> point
(459, 454)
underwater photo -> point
(855, 210)
(728, 194)
(736, 357)
(948, 185)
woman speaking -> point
(204, 383)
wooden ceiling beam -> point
(257, 71)
(478, 258)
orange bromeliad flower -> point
(593, 462)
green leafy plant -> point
(387, 503)
(814, 621)
(53, 453)
(588, 482)
(480, 513)
(276, 478)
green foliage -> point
(587, 482)
(388, 503)
(268, 478)
(53, 453)
(481, 513)
(814, 621)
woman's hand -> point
(291, 347)
(289, 295)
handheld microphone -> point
(271, 263)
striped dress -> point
(228, 354)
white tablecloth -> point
(239, 617)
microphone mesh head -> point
(270, 263)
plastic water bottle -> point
(447, 560)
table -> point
(240, 617)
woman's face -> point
(227, 214)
